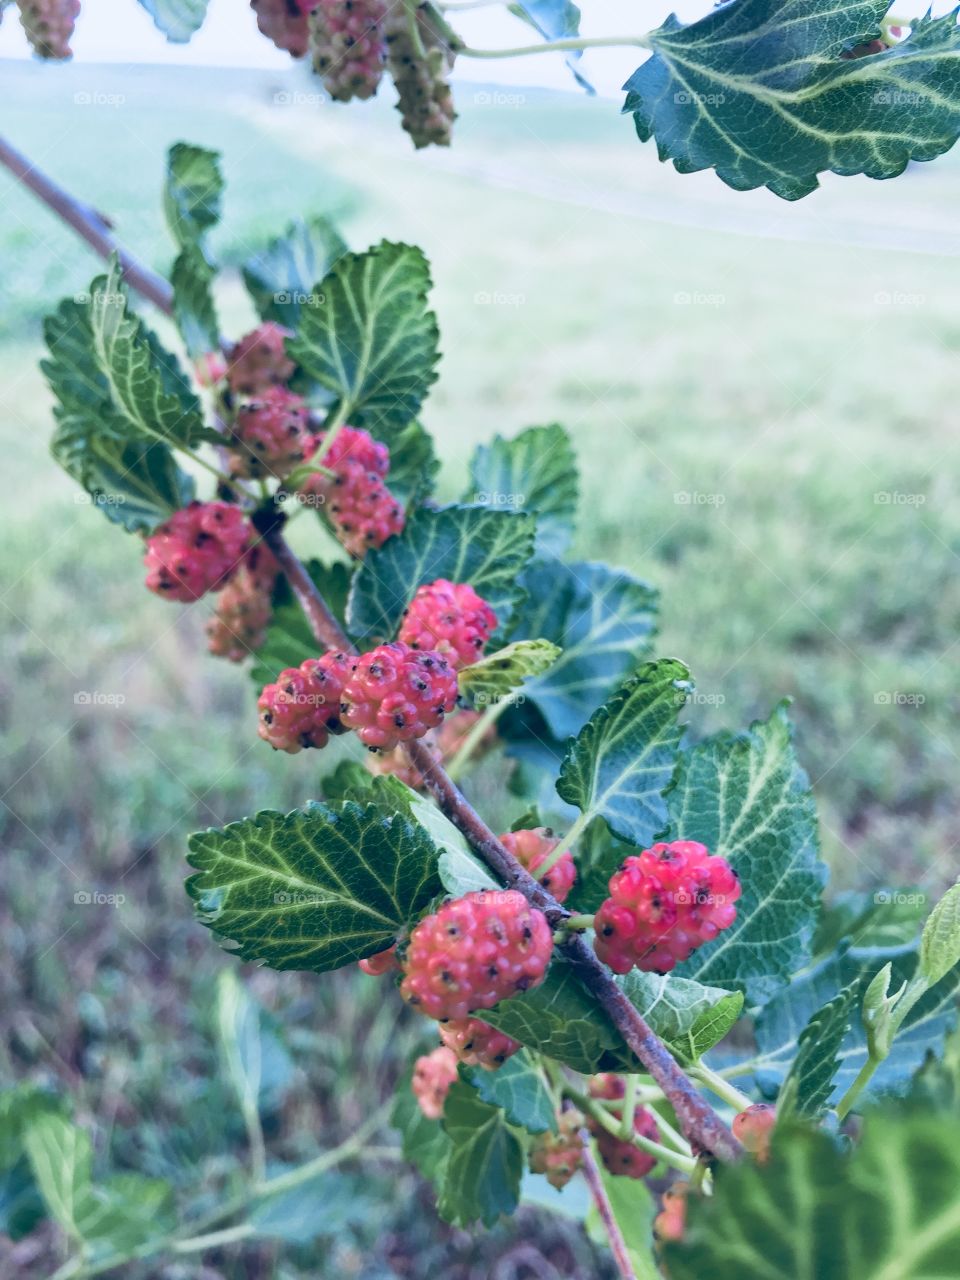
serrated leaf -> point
(560, 1019)
(535, 471)
(486, 548)
(624, 757)
(884, 1207)
(809, 1082)
(146, 385)
(495, 677)
(940, 940)
(520, 1089)
(782, 1021)
(289, 639)
(367, 335)
(759, 91)
(747, 799)
(178, 20)
(281, 277)
(425, 1142)
(555, 20)
(481, 1180)
(414, 464)
(313, 889)
(193, 307)
(883, 918)
(602, 618)
(192, 193)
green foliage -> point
(809, 1083)
(940, 940)
(177, 19)
(485, 1162)
(486, 548)
(281, 276)
(367, 335)
(520, 1089)
(425, 1142)
(886, 1207)
(499, 674)
(256, 1061)
(761, 93)
(604, 621)
(747, 799)
(322, 1206)
(535, 471)
(192, 193)
(555, 20)
(623, 759)
(315, 888)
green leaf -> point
(883, 1208)
(562, 1020)
(599, 855)
(882, 918)
(519, 1087)
(367, 335)
(281, 277)
(146, 385)
(316, 888)
(289, 640)
(494, 678)
(192, 194)
(940, 940)
(604, 621)
(323, 1206)
(535, 471)
(555, 20)
(414, 465)
(257, 1064)
(623, 759)
(425, 1142)
(21, 1206)
(485, 1163)
(782, 1021)
(760, 92)
(193, 307)
(809, 1084)
(747, 799)
(486, 548)
(177, 19)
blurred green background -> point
(763, 402)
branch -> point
(594, 1179)
(699, 1122)
(90, 225)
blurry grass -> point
(780, 401)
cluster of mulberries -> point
(477, 1044)
(532, 848)
(270, 435)
(259, 360)
(239, 624)
(197, 550)
(620, 1155)
(664, 904)
(348, 47)
(302, 707)
(363, 511)
(558, 1155)
(433, 1074)
(49, 26)
(420, 65)
(395, 694)
(450, 618)
(285, 23)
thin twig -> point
(594, 1179)
(698, 1121)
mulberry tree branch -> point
(701, 1125)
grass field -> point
(765, 416)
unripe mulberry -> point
(754, 1128)
(381, 963)
(238, 627)
(433, 1074)
(620, 1155)
(450, 618)
(196, 550)
(284, 22)
(49, 26)
(349, 50)
(396, 694)
(363, 511)
(422, 78)
(664, 904)
(531, 848)
(477, 1044)
(302, 708)
(670, 1223)
(270, 434)
(558, 1155)
(259, 360)
(210, 368)
(474, 952)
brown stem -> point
(700, 1124)
(594, 1179)
(90, 224)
